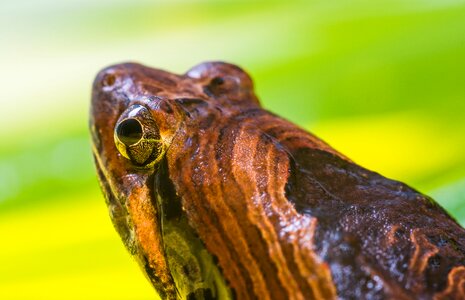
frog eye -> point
(129, 131)
(137, 136)
(222, 85)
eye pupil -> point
(217, 81)
(129, 131)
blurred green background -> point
(381, 81)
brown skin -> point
(218, 198)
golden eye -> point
(137, 136)
(129, 131)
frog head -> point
(142, 119)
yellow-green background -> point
(382, 81)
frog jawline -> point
(118, 212)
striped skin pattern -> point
(281, 214)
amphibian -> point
(217, 198)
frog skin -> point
(217, 198)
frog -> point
(218, 198)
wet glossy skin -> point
(217, 198)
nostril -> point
(108, 79)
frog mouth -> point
(110, 197)
(118, 212)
